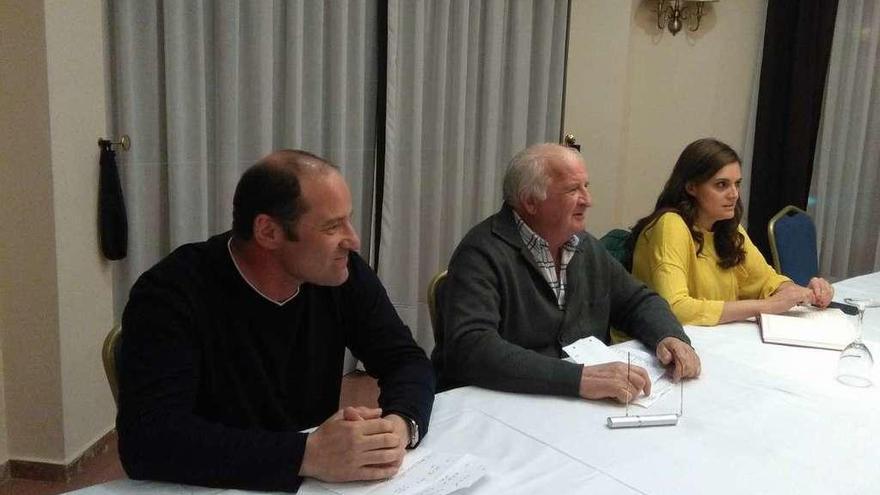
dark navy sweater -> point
(216, 381)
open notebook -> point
(809, 327)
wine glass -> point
(855, 362)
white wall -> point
(647, 94)
(56, 297)
(77, 111)
(28, 281)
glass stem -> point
(859, 329)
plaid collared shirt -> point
(540, 250)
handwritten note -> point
(590, 351)
(423, 473)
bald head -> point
(272, 186)
(531, 169)
(298, 162)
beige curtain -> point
(205, 88)
(845, 192)
(469, 84)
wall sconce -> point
(671, 12)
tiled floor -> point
(357, 389)
(103, 467)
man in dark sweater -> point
(232, 346)
(529, 280)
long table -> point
(761, 418)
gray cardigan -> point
(501, 326)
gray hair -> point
(527, 175)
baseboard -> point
(48, 471)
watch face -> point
(413, 432)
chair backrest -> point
(108, 354)
(435, 300)
(793, 244)
(615, 242)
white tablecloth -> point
(762, 418)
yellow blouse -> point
(696, 288)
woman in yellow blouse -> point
(694, 253)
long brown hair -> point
(699, 162)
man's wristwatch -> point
(413, 428)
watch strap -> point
(412, 427)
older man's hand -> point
(614, 380)
(677, 353)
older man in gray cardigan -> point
(529, 280)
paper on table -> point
(809, 327)
(591, 350)
(423, 473)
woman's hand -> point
(788, 295)
(822, 291)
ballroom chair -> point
(435, 299)
(108, 353)
(615, 242)
(793, 244)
